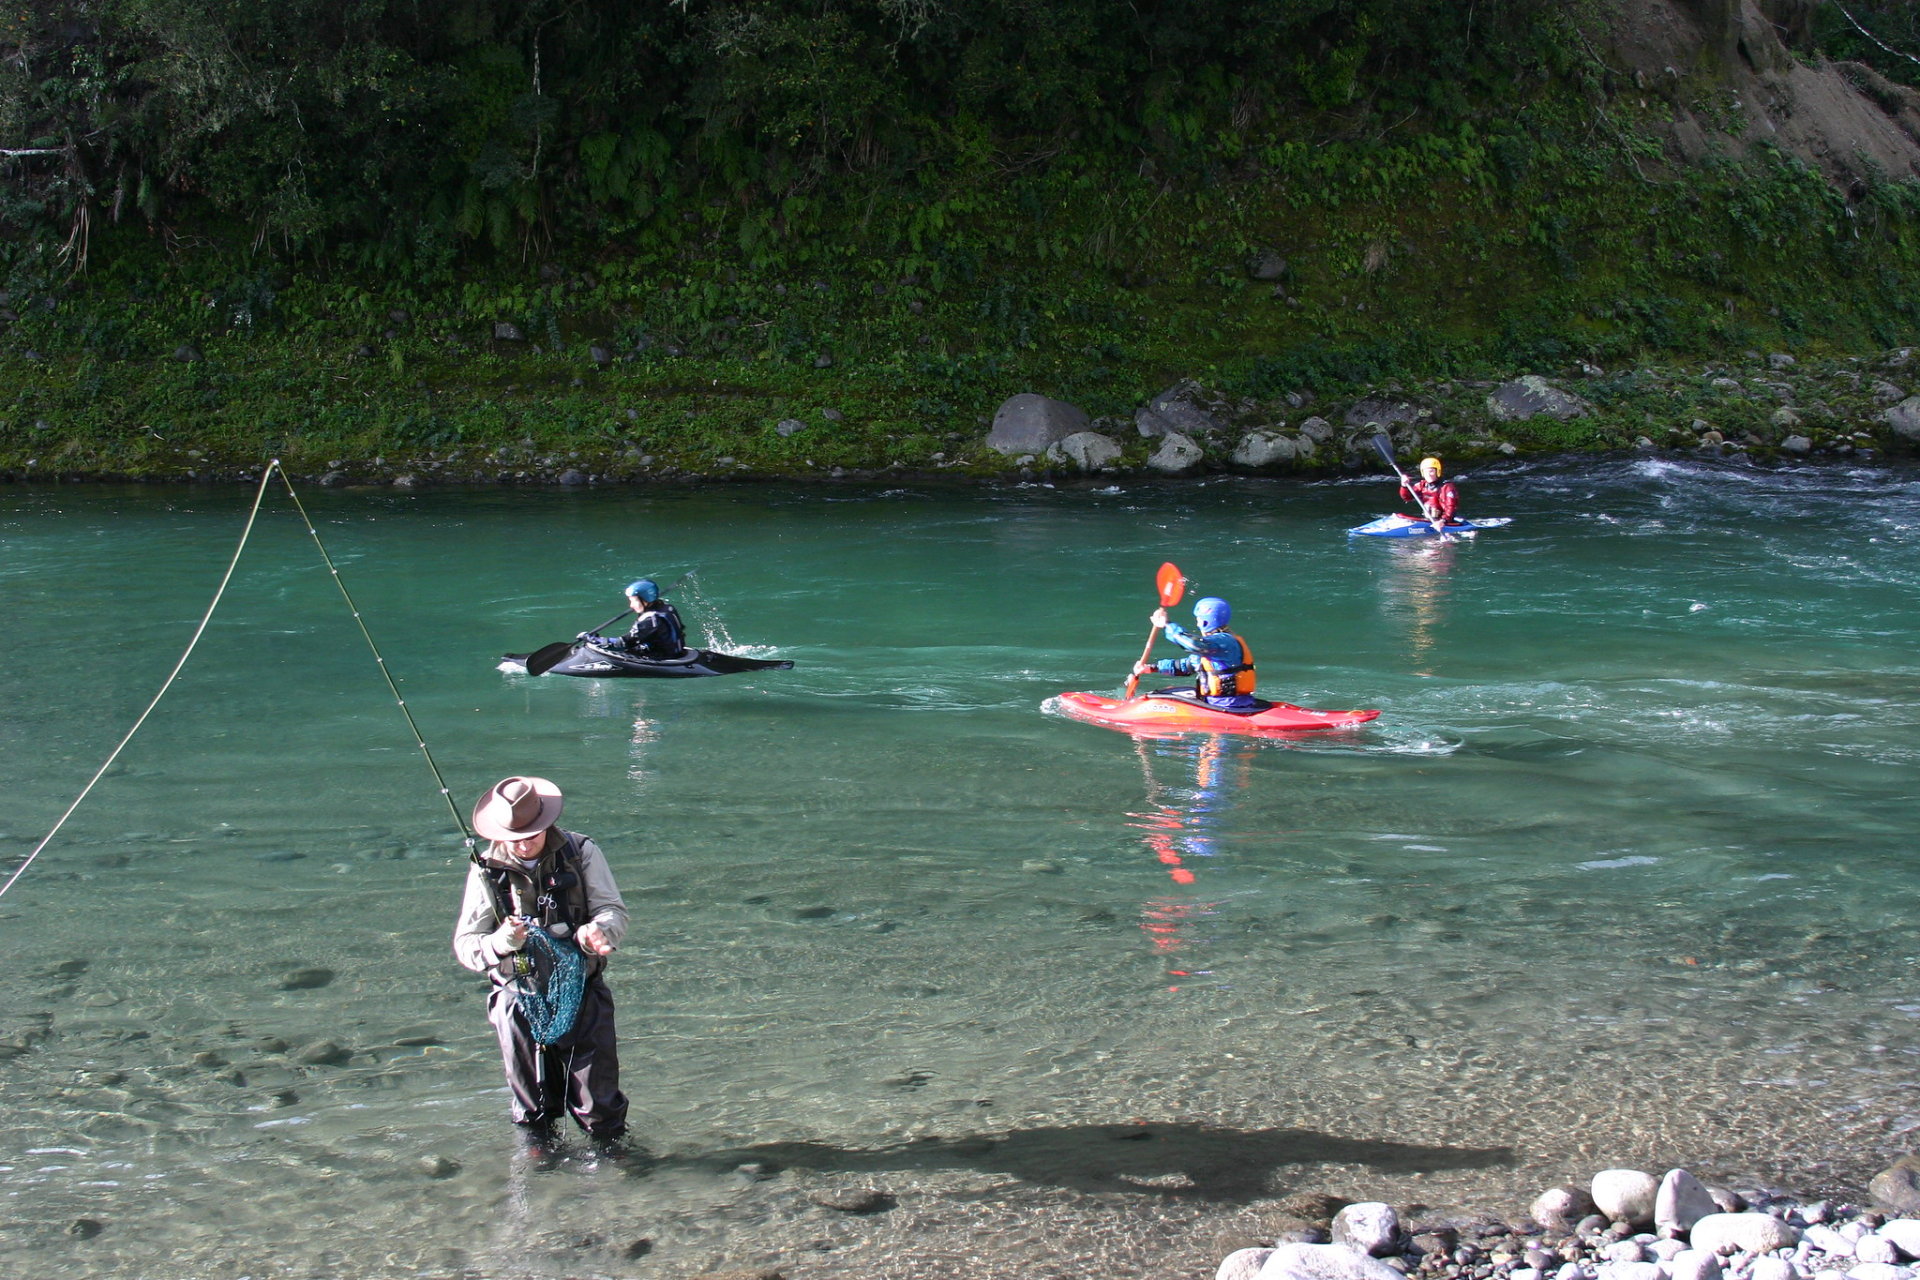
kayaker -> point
(534, 873)
(656, 633)
(1219, 660)
(1436, 499)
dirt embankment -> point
(1733, 75)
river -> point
(1622, 874)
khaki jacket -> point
(473, 932)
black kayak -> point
(595, 663)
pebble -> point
(1625, 1195)
(1734, 1242)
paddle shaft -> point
(1386, 451)
(1133, 677)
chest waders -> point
(548, 975)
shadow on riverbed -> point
(1176, 1160)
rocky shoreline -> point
(1623, 1225)
(1765, 408)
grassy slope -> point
(1414, 262)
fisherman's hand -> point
(1143, 668)
(1159, 618)
(510, 936)
(592, 939)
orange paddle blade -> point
(1172, 584)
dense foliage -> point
(628, 231)
(408, 133)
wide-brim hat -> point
(516, 808)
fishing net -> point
(548, 981)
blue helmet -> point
(646, 588)
(1212, 613)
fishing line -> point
(205, 618)
(419, 739)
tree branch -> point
(1876, 39)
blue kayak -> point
(1399, 526)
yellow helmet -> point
(1434, 462)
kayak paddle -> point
(1172, 584)
(546, 657)
(1384, 447)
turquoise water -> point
(1622, 874)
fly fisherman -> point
(1219, 661)
(656, 633)
(539, 889)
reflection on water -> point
(1414, 593)
(1179, 829)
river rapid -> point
(1622, 874)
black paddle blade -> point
(545, 658)
(1384, 447)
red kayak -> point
(1160, 713)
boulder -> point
(1796, 444)
(1242, 1264)
(1266, 264)
(1087, 450)
(1263, 449)
(1781, 360)
(1861, 1271)
(1317, 429)
(1561, 1208)
(1904, 1232)
(1177, 410)
(1381, 411)
(1369, 1226)
(1532, 397)
(1695, 1264)
(1681, 1201)
(1630, 1271)
(1897, 1188)
(1323, 1262)
(507, 331)
(1885, 392)
(1176, 455)
(1725, 1233)
(1872, 1248)
(1030, 423)
(1769, 1267)
(1625, 1195)
(787, 426)
(1904, 419)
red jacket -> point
(1441, 499)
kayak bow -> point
(1399, 526)
(588, 661)
(1164, 713)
